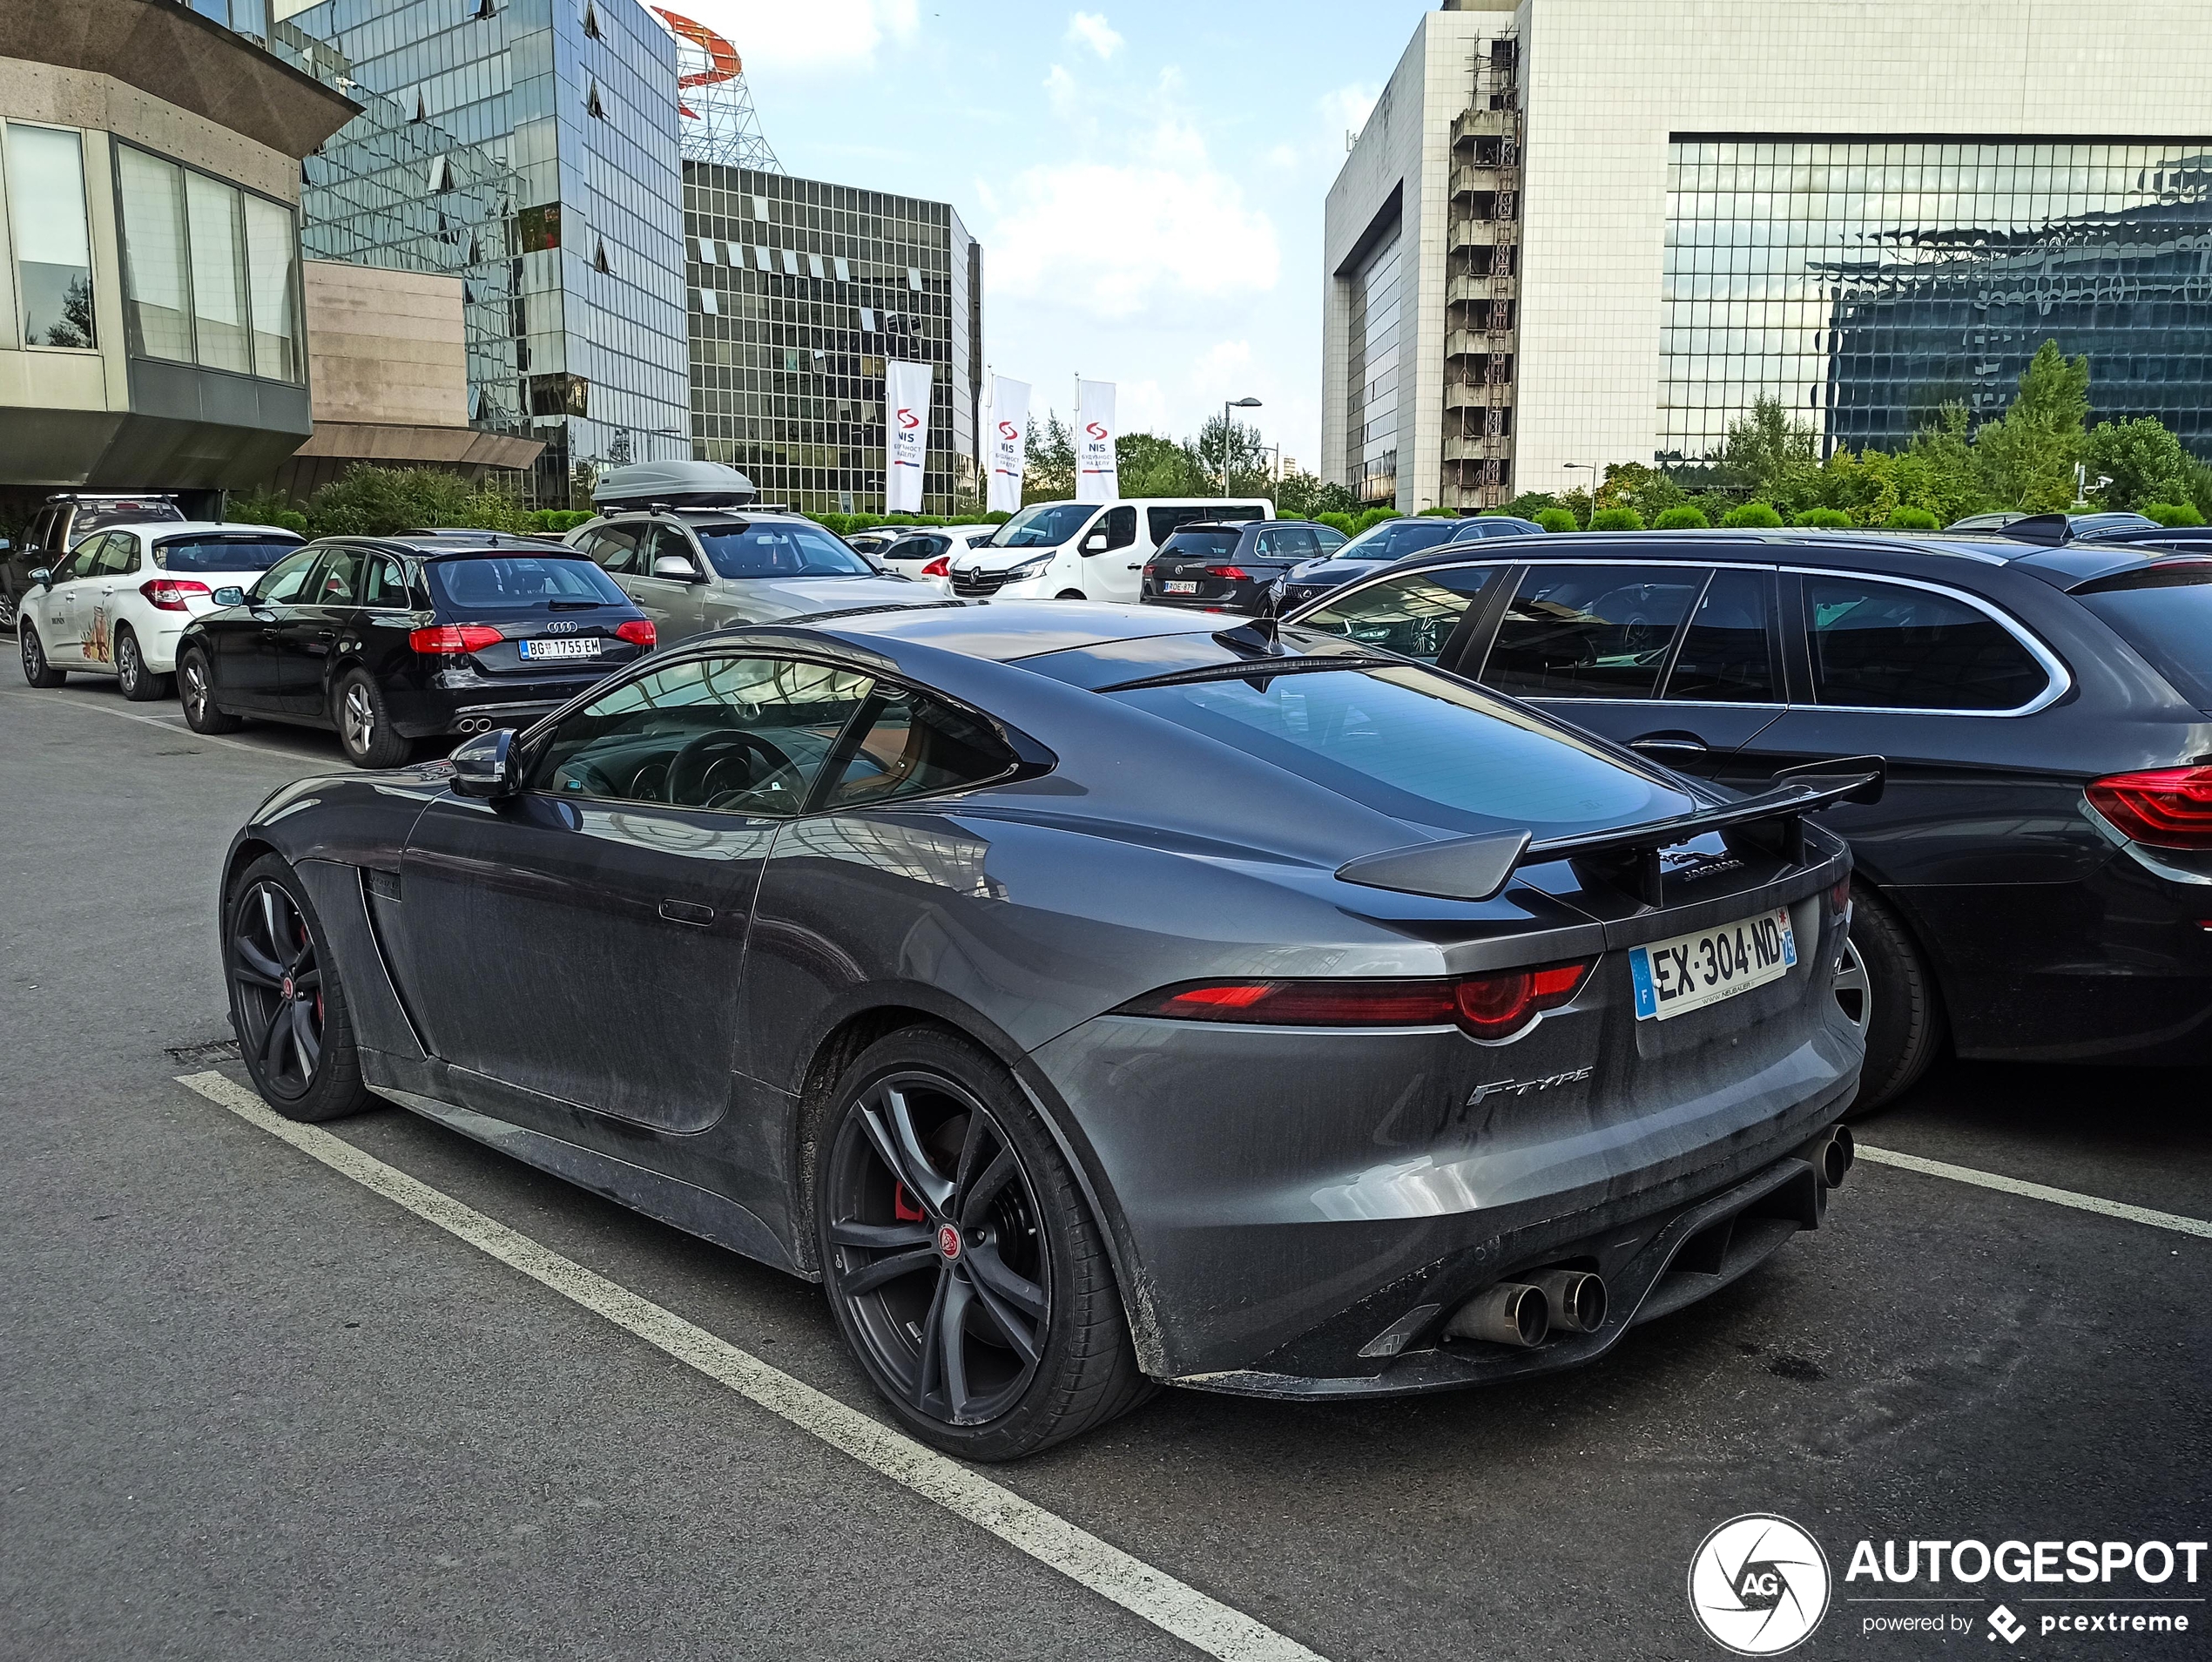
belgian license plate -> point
(1691, 971)
(1179, 588)
(573, 646)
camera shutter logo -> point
(1759, 1584)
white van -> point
(1085, 551)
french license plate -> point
(1179, 588)
(573, 646)
(1691, 971)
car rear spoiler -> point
(1478, 868)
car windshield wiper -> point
(1262, 669)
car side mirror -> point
(1095, 544)
(5, 544)
(229, 595)
(42, 575)
(676, 568)
(484, 765)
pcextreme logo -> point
(1759, 1584)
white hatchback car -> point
(117, 602)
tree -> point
(1646, 492)
(75, 328)
(1772, 454)
(1249, 472)
(2145, 461)
(2027, 457)
(1302, 496)
(1048, 464)
(1149, 465)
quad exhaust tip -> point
(1574, 1298)
(1511, 1313)
(1836, 1155)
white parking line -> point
(177, 725)
(2037, 1191)
(1204, 1623)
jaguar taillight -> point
(1490, 1007)
(2161, 808)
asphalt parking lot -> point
(253, 1408)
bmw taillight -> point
(171, 594)
(941, 566)
(448, 640)
(1485, 1007)
(638, 632)
(1234, 573)
(2164, 808)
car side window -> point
(615, 549)
(1294, 543)
(1413, 615)
(1263, 543)
(913, 744)
(118, 555)
(1726, 656)
(384, 584)
(1120, 526)
(736, 734)
(82, 561)
(1887, 646)
(338, 582)
(657, 542)
(283, 581)
(1590, 632)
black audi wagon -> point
(389, 640)
(2036, 881)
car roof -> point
(163, 530)
(433, 545)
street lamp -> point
(1229, 404)
(1590, 468)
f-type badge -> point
(1524, 1087)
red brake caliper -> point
(902, 1208)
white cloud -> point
(823, 34)
(1060, 91)
(1091, 29)
(1347, 109)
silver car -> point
(691, 569)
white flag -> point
(1096, 478)
(906, 434)
(1010, 436)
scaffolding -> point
(1482, 278)
(719, 124)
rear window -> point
(2165, 614)
(92, 516)
(222, 553)
(1415, 746)
(778, 551)
(1882, 646)
(521, 582)
(1201, 545)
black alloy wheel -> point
(285, 1004)
(196, 692)
(7, 610)
(960, 1260)
(1886, 990)
(36, 669)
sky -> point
(1147, 178)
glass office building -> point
(1371, 375)
(576, 298)
(1866, 284)
(800, 292)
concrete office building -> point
(151, 333)
(800, 292)
(1576, 231)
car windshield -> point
(1395, 538)
(2165, 613)
(1202, 544)
(778, 549)
(1418, 746)
(1046, 524)
(222, 553)
(519, 583)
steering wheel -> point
(689, 773)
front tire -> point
(36, 669)
(364, 725)
(286, 1006)
(139, 684)
(958, 1258)
(196, 692)
(1886, 989)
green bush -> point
(1754, 515)
(1911, 519)
(554, 521)
(1682, 515)
(1617, 519)
(1440, 513)
(1822, 519)
(1556, 519)
(1375, 516)
(2173, 513)
(1344, 523)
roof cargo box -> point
(679, 484)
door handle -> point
(1670, 745)
(326, 634)
(691, 912)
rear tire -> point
(1016, 1339)
(287, 1008)
(364, 729)
(196, 691)
(1903, 1015)
(139, 684)
(36, 669)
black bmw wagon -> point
(2036, 881)
(390, 640)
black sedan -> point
(1392, 540)
(1230, 565)
(2036, 883)
(391, 640)
(1376, 1036)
